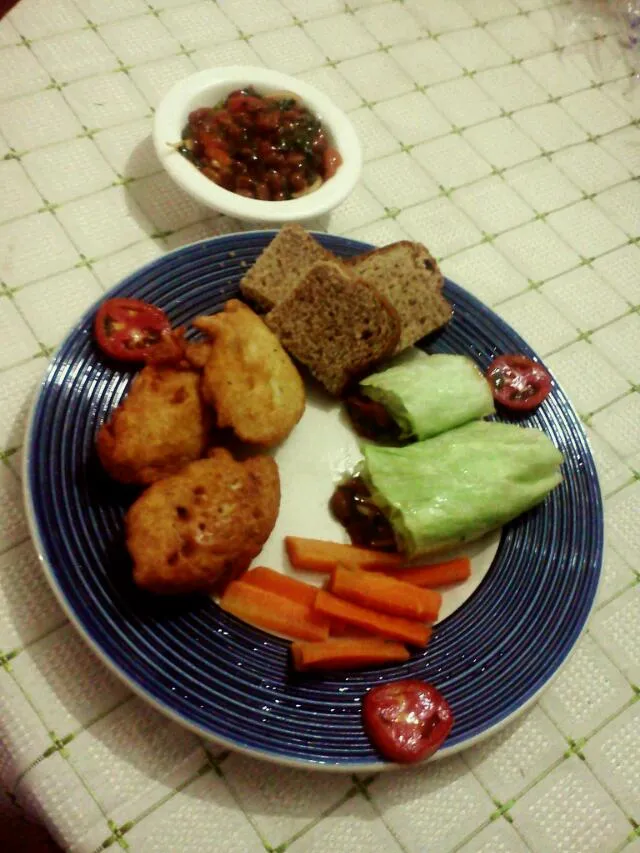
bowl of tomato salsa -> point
(257, 145)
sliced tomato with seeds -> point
(518, 383)
(134, 331)
(406, 720)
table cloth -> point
(501, 133)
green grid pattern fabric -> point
(503, 136)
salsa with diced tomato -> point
(267, 147)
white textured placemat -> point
(506, 140)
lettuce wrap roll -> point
(431, 394)
(452, 489)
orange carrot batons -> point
(276, 582)
(393, 627)
(317, 555)
(349, 653)
(438, 574)
(386, 594)
(273, 612)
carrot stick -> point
(346, 654)
(316, 555)
(386, 594)
(339, 628)
(273, 612)
(280, 584)
(394, 627)
(438, 574)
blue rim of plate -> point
(232, 683)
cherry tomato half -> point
(406, 720)
(132, 330)
(518, 383)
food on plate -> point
(248, 378)
(408, 276)
(279, 584)
(134, 331)
(337, 326)
(197, 529)
(270, 147)
(265, 609)
(400, 628)
(281, 266)
(317, 555)
(346, 653)
(202, 521)
(196, 353)
(423, 397)
(385, 593)
(353, 506)
(354, 605)
(444, 491)
(518, 383)
(160, 426)
(437, 574)
(406, 720)
(403, 273)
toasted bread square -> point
(335, 324)
(408, 276)
(281, 267)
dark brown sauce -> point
(370, 419)
(352, 505)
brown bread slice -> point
(281, 267)
(335, 324)
(408, 276)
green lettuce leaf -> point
(431, 394)
(454, 488)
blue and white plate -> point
(491, 656)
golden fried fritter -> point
(197, 353)
(161, 425)
(248, 378)
(203, 526)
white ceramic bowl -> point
(205, 89)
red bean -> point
(262, 191)
(275, 159)
(245, 183)
(297, 181)
(227, 180)
(196, 116)
(319, 143)
(264, 149)
(234, 132)
(295, 159)
(274, 180)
